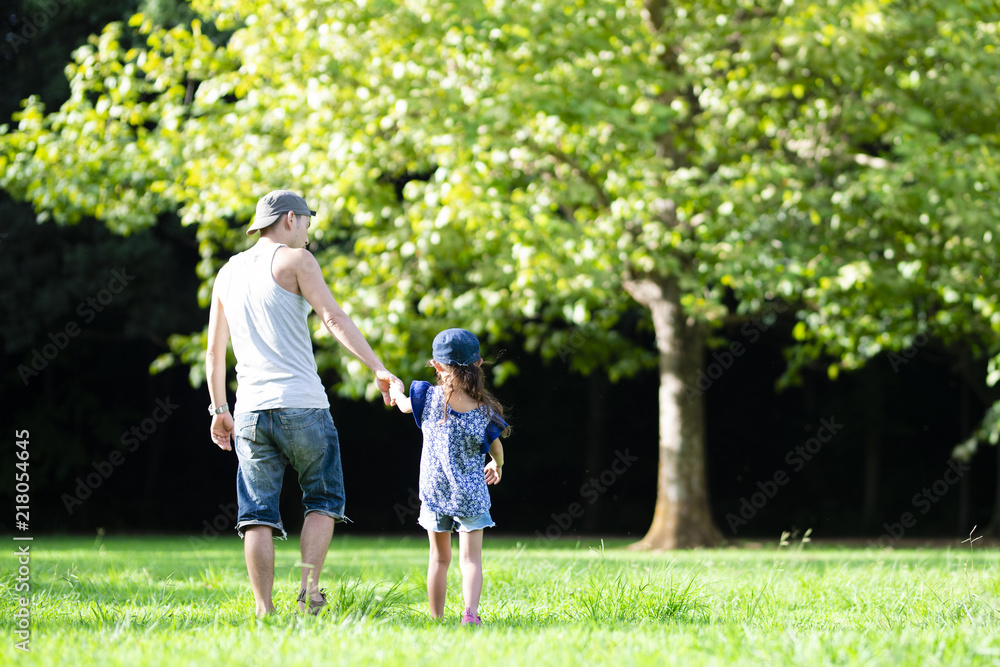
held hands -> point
(383, 380)
(493, 472)
(222, 430)
(398, 394)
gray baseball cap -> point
(273, 205)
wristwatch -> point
(219, 410)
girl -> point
(461, 423)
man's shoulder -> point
(297, 257)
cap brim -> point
(267, 221)
(261, 223)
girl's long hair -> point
(471, 380)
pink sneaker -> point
(470, 619)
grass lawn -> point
(179, 601)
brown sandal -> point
(315, 606)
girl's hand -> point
(493, 472)
(397, 394)
(396, 391)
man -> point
(262, 298)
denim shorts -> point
(445, 523)
(267, 441)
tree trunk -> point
(681, 518)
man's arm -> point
(315, 290)
(215, 372)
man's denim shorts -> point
(267, 441)
(445, 523)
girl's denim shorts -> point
(445, 523)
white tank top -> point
(275, 365)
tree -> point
(538, 169)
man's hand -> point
(222, 430)
(383, 379)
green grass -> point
(158, 600)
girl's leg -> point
(470, 555)
(437, 571)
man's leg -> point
(437, 571)
(258, 548)
(317, 531)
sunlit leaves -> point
(505, 165)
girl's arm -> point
(494, 469)
(398, 396)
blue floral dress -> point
(452, 481)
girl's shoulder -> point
(422, 399)
(434, 398)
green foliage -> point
(507, 165)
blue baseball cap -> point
(456, 347)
